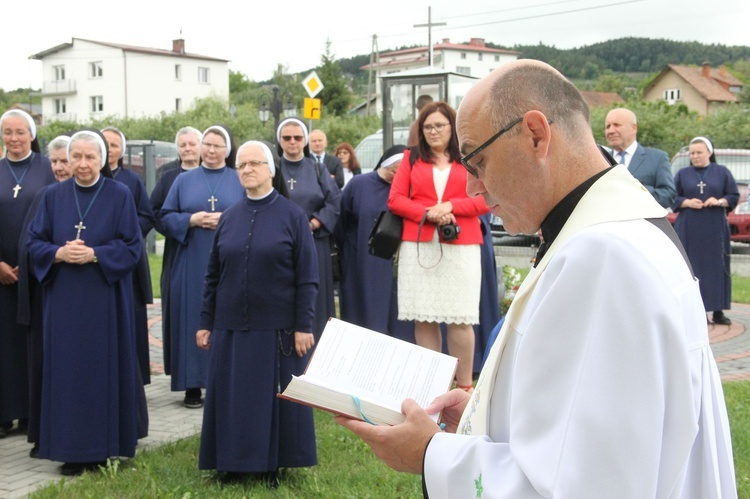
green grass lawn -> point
(346, 466)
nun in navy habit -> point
(142, 290)
(316, 192)
(30, 293)
(84, 243)
(706, 192)
(23, 172)
(190, 215)
(188, 142)
(257, 324)
(368, 295)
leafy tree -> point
(241, 89)
(590, 71)
(336, 96)
(610, 83)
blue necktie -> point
(622, 154)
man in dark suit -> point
(318, 144)
(649, 166)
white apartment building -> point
(86, 79)
(472, 59)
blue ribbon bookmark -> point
(359, 408)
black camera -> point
(450, 231)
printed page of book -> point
(378, 368)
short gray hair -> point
(186, 130)
(541, 88)
(59, 142)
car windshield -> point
(371, 148)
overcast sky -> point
(293, 32)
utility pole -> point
(374, 61)
(429, 26)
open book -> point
(366, 375)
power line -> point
(545, 15)
(536, 16)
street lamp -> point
(276, 107)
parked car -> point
(370, 149)
(738, 162)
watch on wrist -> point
(95, 259)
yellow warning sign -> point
(312, 109)
(312, 84)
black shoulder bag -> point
(385, 237)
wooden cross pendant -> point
(80, 227)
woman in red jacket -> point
(439, 264)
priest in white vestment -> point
(602, 383)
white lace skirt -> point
(441, 289)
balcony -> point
(57, 87)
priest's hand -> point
(303, 342)
(8, 274)
(402, 446)
(203, 339)
(452, 404)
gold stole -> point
(616, 196)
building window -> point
(178, 104)
(464, 70)
(497, 58)
(60, 107)
(59, 72)
(463, 55)
(95, 69)
(735, 89)
(203, 74)
(672, 95)
(97, 104)
(479, 56)
(178, 72)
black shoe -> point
(5, 429)
(193, 398)
(721, 319)
(270, 479)
(72, 469)
(233, 477)
(23, 426)
(34, 452)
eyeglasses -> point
(215, 146)
(465, 160)
(438, 127)
(288, 138)
(253, 164)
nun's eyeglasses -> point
(208, 146)
(288, 138)
(253, 164)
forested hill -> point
(638, 55)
